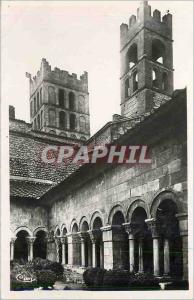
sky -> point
(80, 36)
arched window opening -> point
(158, 51)
(40, 245)
(118, 218)
(41, 119)
(121, 249)
(82, 124)
(40, 96)
(81, 103)
(143, 249)
(21, 245)
(52, 118)
(34, 105)
(132, 56)
(171, 243)
(165, 81)
(63, 134)
(62, 119)
(38, 101)
(61, 98)
(85, 226)
(135, 81)
(31, 108)
(71, 101)
(72, 122)
(83, 138)
(74, 228)
(51, 95)
(73, 136)
(154, 79)
(97, 224)
(35, 124)
(38, 122)
(126, 87)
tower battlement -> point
(60, 77)
(145, 19)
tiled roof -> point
(27, 189)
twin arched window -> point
(71, 101)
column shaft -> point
(93, 254)
(131, 255)
(83, 255)
(63, 254)
(166, 257)
(156, 256)
(140, 256)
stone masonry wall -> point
(121, 185)
(28, 215)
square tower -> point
(59, 102)
(146, 61)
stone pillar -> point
(183, 227)
(95, 235)
(113, 240)
(70, 248)
(128, 229)
(83, 237)
(155, 236)
(140, 251)
(63, 242)
(166, 257)
(30, 241)
(89, 253)
(12, 242)
(51, 247)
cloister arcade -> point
(142, 239)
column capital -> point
(13, 239)
(30, 239)
(115, 228)
(57, 239)
(151, 223)
(94, 235)
(129, 229)
(83, 235)
(183, 223)
(63, 239)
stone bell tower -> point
(59, 102)
(146, 61)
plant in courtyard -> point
(143, 280)
(93, 277)
(45, 278)
(116, 278)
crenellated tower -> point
(146, 61)
(59, 102)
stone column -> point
(83, 236)
(155, 236)
(140, 251)
(183, 226)
(12, 242)
(166, 257)
(57, 243)
(89, 253)
(70, 248)
(95, 236)
(63, 242)
(30, 241)
(128, 229)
